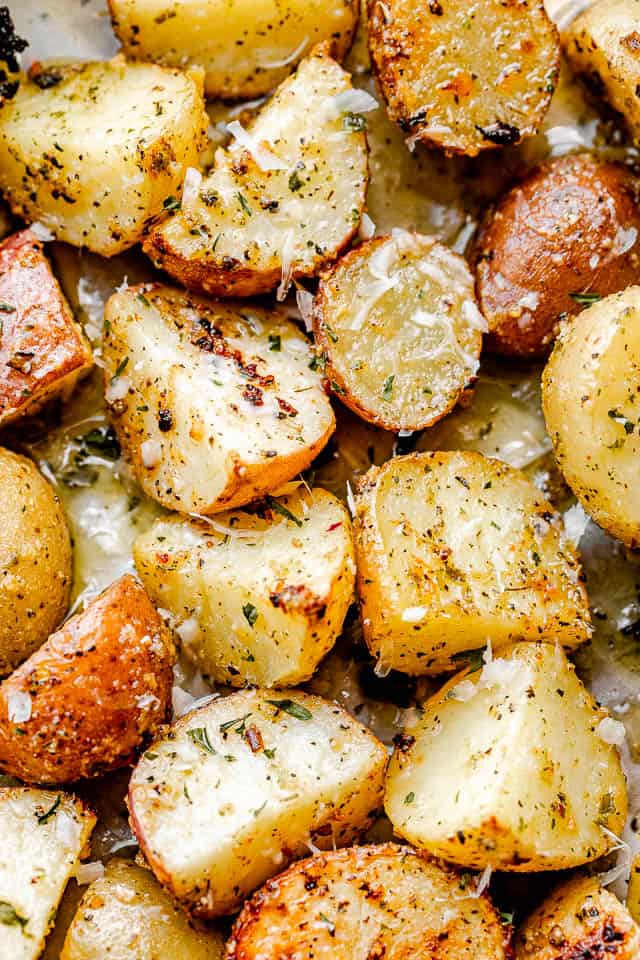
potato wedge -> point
(375, 901)
(464, 77)
(44, 834)
(579, 919)
(591, 403)
(455, 550)
(36, 567)
(97, 151)
(245, 784)
(397, 325)
(602, 45)
(43, 352)
(506, 768)
(282, 206)
(245, 50)
(129, 910)
(258, 598)
(91, 696)
(567, 234)
(214, 404)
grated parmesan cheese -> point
(265, 158)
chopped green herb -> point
(387, 390)
(585, 298)
(294, 181)
(50, 812)
(200, 736)
(319, 362)
(250, 614)
(242, 200)
(275, 342)
(472, 658)
(6, 308)
(331, 927)
(333, 336)
(354, 122)
(291, 707)
(103, 439)
(120, 368)
(268, 752)
(171, 203)
(410, 797)
(10, 917)
(504, 916)
(141, 297)
(237, 724)
(280, 508)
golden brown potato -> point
(130, 916)
(580, 920)
(591, 403)
(464, 77)
(376, 902)
(568, 234)
(35, 560)
(89, 698)
(43, 352)
(633, 892)
(398, 330)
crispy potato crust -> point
(568, 231)
(89, 698)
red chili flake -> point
(254, 738)
(286, 409)
(334, 526)
(162, 557)
(253, 394)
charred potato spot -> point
(566, 235)
(464, 77)
(397, 321)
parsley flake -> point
(292, 708)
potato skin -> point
(572, 226)
(578, 921)
(387, 899)
(35, 560)
(98, 689)
(43, 352)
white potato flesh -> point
(129, 911)
(214, 404)
(602, 45)
(397, 323)
(92, 151)
(246, 48)
(44, 834)
(257, 598)
(506, 768)
(245, 784)
(591, 403)
(375, 901)
(282, 207)
(455, 551)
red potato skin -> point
(42, 349)
(84, 684)
(570, 226)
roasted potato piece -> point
(591, 402)
(243, 785)
(214, 404)
(464, 77)
(633, 892)
(580, 919)
(91, 695)
(567, 234)
(97, 151)
(258, 598)
(282, 200)
(245, 50)
(398, 328)
(43, 352)
(44, 834)
(602, 46)
(454, 550)
(506, 767)
(35, 560)
(129, 910)
(375, 901)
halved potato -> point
(633, 892)
(43, 351)
(461, 76)
(240, 787)
(455, 550)
(97, 151)
(568, 234)
(128, 913)
(36, 564)
(580, 919)
(282, 200)
(505, 767)
(90, 697)
(397, 324)
(591, 403)
(214, 404)
(258, 598)
(44, 834)
(602, 46)
(375, 901)
(246, 49)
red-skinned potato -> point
(565, 235)
(92, 695)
